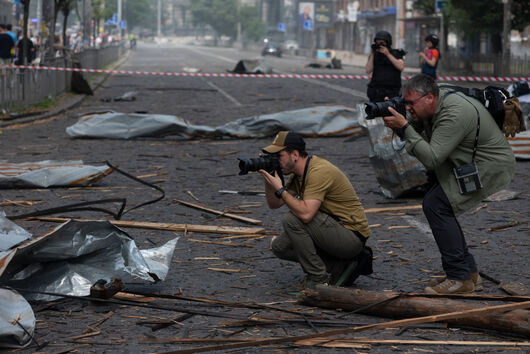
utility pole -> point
(159, 20)
(47, 30)
(119, 16)
(506, 29)
(398, 24)
(238, 40)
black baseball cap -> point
(286, 140)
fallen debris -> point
(50, 174)
(19, 202)
(508, 225)
(355, 342)
(172, 227)
(398, 323)
(397, 172)
(313, 121)
(251, 66)
(398, 208)
(14, 309)
(74, 256)
(221, 213)
(410, 306)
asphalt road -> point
(196, 170)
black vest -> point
(385, 74)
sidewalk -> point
(67, 100)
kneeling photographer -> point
(470, 157)
(325, 229)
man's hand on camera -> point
(272, 180)
(383, 50)
(396, 120)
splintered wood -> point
(169, 227)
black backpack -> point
(491, 97)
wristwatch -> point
(279, 192)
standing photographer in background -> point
(325, 229)
(430, 57)
(470, 158)
(385, 64)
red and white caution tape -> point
(271, 76)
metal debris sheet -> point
(314, 121)
(49, 173)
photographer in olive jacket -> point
(385, 64)
(326, 228)
(470, 158)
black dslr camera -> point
(268, 162)
(380, 109)
(376, 46)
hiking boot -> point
(477, 281)
(305, 283)
(451, 286)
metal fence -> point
(21, 88)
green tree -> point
(477, 16)
(425, 6)
(140, 13)
(252, 26)
(221, 15)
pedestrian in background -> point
(6, 46)
(456, 138)
(430, 56)
(385, 64)
(9, 31)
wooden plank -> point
(382, 325)
(168, 226)
(218, 212)
(398, 208)
(345, 342)
(233, 244)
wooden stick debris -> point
(228, 270)
(19, 202)
(221, 213)
(507, 226)
(221, 243)
(92, 327)
(398, 208)
(382, 325)
(346, 342)
(168, 226)
(91, 334)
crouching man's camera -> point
(267, 162)
(380, 109)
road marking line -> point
(342, 89)
(224, 93)
(213, 55)
(423, 227)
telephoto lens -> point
(268, 163)
(380, 109)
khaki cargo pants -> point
(316, 245)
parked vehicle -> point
(272, 48)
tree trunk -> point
(25, 33)
(515, 321)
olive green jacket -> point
(448, 141)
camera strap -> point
(478, 123)
(302, 187)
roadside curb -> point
(71, 103)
